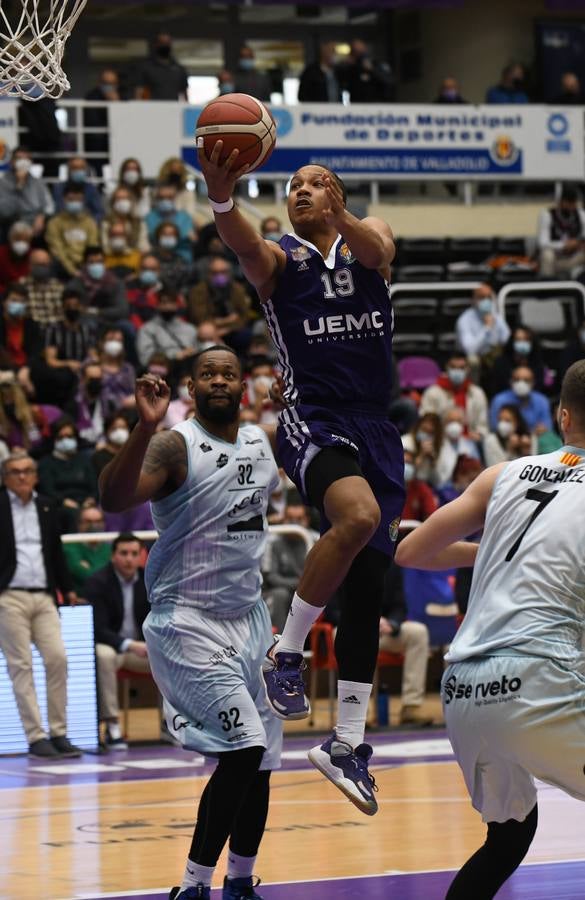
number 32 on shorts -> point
(230, 718)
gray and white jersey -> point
(213, 529)
(528, 587)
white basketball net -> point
(33, 34)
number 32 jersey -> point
(528, 587)
(213, 528)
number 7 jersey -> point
(528, 588)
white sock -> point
(114, 731)
(352, 710)
(298, 623)
(196, 874)
(240, 866)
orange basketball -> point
(241, 121)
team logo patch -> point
(222, 460)
(393, 529)
(205, 447)
(300, 253)
(571, 459)
(346, 254)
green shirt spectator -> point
(85, 558)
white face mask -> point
(409, 471)
(119, 436)
(20, 247)
(521, 388)
(22, 164)
(131, 176)
(505, 428)
(183, 392)
(263, 383)
(454, 430)
(123, 207)
(118, 243)
(113, 348)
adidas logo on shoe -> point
(351, 699)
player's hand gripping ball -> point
(241, 122)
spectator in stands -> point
(366, 79)
(142, 291)
(319, 83)
(90, 414)
(420, 501)
(70, 232)
(561, 235)
(166, 332)
(174, 172)
(21, 340)
(571, 93)
(45, 292)
(283, 566)
(434, 459)
(86, 557)
(120, 259)
(521, 349)
(175, 271)
(118, 375)
(21, 424)
(259, 379)
(179, 408)
(15, 255)
(121, 211)
(512, 86)
(118, 595)
(454, 389)
(78, 172)
(224, 301)
(248, 80)
(411, 639)
(165, 210)
(466, 470)
(449, 91)
(106, 91)
(533, 406)
(225, 82)
(131, 177)
(573, 351)
(116, 433)
(455, 426)
(481, 330)
(271, 228)
(66, 475)
(102, 293)
(23, 197)
(161, 77)
(510, 439)
(32, 569)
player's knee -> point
(245, 761)
(361, 523)
(512, 839)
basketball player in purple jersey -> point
(325, 290)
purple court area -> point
(561, 881)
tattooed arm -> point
(150, 465)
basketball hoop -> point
(33, 34)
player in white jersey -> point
(514, 692)
(209, 482)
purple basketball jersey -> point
(331, 320)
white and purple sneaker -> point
(283, 683)
(348, 770)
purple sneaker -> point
(348, 770)
(284, 686)
(199, 892)
(240, 888)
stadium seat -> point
(469, 272)
(414, 313)
(472, 250)
(514, 273)
(510, 246)
(420, 273)
(423, 251)
(126, 676)
(413, 344)
(417, 372)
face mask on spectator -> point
(19, 248)
(505, 428)
(119, 436)
(118, 243)
(167, 314)
(92, 527)
(93, 386)
(40, 272)
(158, 370)
(485, 306)
(123, 206)
(454, 430)
(423, 436)
(263, 383)
(227, 87)
(113, 347)
(449, 94)
(175, 178)
(164, 51)
(78, 175)
(222, 279)
(96, 270)
(183, 392)
(131, 176)
(148, 276)
(165, 206)
(73, 206)
(108, 88)
(521, 388)
(72, 315)
(409, 471)
(22, 164)
(456, 376)
(168, 241)
(272, 236)
(66, 445)
(523, 348)
(16, 308)
(248, 65)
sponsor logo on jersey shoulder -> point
(485, 692)
(346, 254)
(393, 529)
(222, 460)
(205, 447)
(303, 267)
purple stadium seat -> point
(418, 371)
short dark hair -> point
(16, 288)
(569, 193)
(573, 391)
(62, 422)
(73, 187)
(109, 420)
(92, 250)
(71, 294)
(223, 347)
(125, 537)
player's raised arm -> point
(437, 543)
(261, 260)
(371, 240)
(149, 465)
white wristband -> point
(224, 207)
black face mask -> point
(40, 272)
(175, 179)
(168, 314)
(72, 315)
(164, 51)
(93, 386)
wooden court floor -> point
(71, 830)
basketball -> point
(241, 122)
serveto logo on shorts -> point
(503, 688)
(344, 440)
(179, 722)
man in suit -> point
(118, 596)
(32, 568)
